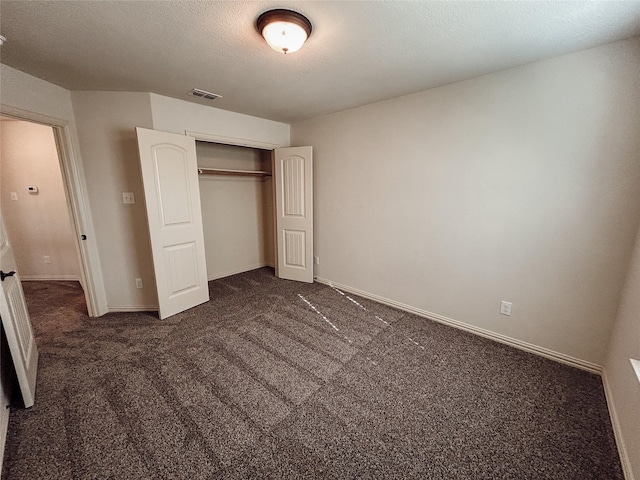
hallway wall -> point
(38, 224)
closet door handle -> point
(5, 275)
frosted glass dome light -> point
(284, 30)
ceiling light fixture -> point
(284, 30)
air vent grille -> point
(196, 92)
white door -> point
(170, 177)
(16, 323)
(293, 171)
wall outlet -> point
(316, 260)
(138, 283)
(505, 308)
(128, 198)
(14, 196)
(47, 259)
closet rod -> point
(224, 171)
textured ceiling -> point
(358, 53)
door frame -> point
(238, 142)
(78, 205)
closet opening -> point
(239, 213)
(236, 194)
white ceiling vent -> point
(196, 92)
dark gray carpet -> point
(276, 379)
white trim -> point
(33, 117)
(78, 203)
(527, 347)
(617, 431)
(154, 308)
(91, 276)
(132, 308)
(235, 271)
(240, 142)
(53, 278)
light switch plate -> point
(505, 308)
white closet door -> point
(16, 323)
(170, 177)
(293, 172)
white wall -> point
(106, 128)
(523, 185)
(622, 383)
(34, 95)
(177, 116)
(38, 224)
(237, 214)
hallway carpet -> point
(282, 380)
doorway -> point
(35, 205)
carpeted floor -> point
(277, 379)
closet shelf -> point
(224, 171)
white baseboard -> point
(39, 278)
(132, 308)
(527, 347)
(615, 423)
(154, 308)
(556, 356)
(235, 271)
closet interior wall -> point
(237, 211)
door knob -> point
(5, 275)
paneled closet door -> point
(293, 172)
(172, 196)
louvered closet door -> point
(172, 196)
(293, 171)
(16, 323)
